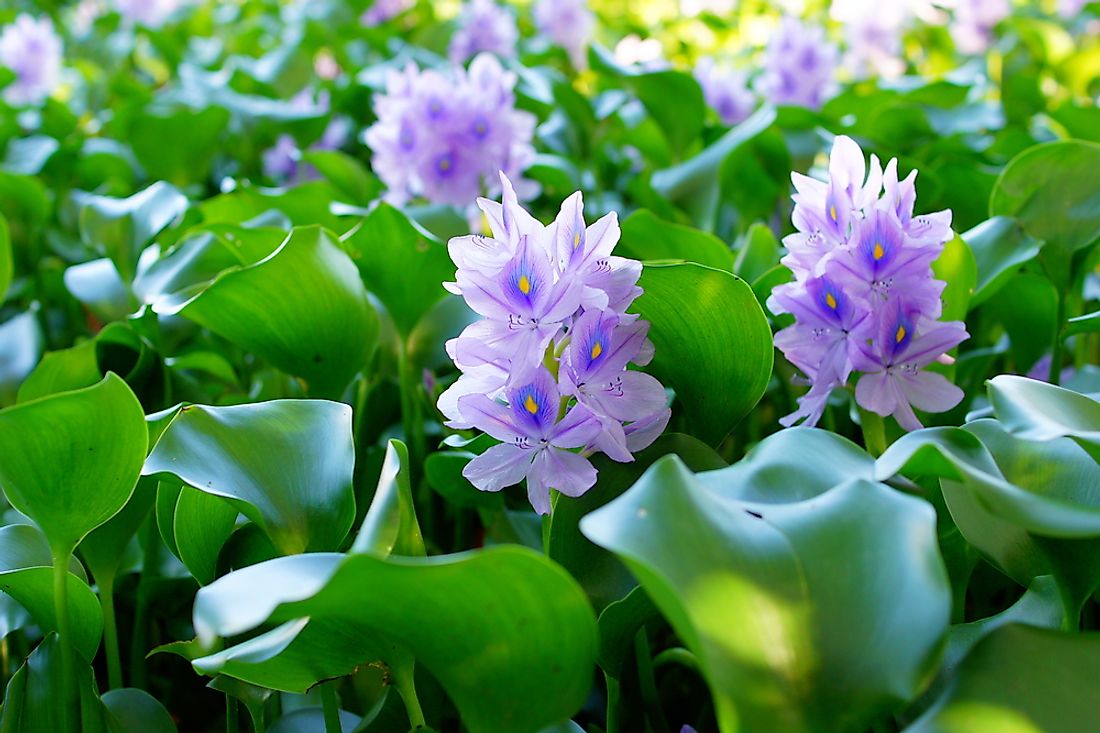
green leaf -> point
(448, 611)
(1052, 192)
(647, 238)
(758, 254)
(131, 710)
(285, 464)
(443, 470)
(71, 460)
(698, 317)
(1027, 307)
(804, 615)
(681, 121)
(1035, 410)
(121, 228)
(390, 526)
(302, 308)
(30, 701)
(1088, 323)
(195, 135)
(346, 173)
(1021, 679)
(26, 574)
(401, 263)
(61, 371)
(1000, 248)
(311, 720)
(6, 266)
(201, 524)
(104, 548)
(956, 266)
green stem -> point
(110, 631)
(648, 683)
(139, 641)
(70, 703)
(405, 685)
(1055, 375)
(331, 708)
(676, 655)
(613, 696)
(232, 715)
(874, 432)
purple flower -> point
(149, 13)
(535, 445)
(32, 50)
(726, 91)
(483, 27)
(1070, 8)
(381, 11)
(282, 162)
(546, 368)
(799, 66)
(873, 31)
(567, 23)
(974, 21)
(446, 137)
(864, 296)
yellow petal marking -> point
(530, 405)
(597, 349)
(830, 300)
(878, 252)
(524, 285)
(900, 335)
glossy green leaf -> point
(26, 574)
(759, 253)
(21, 342)
(71, 461)
(400, 263)
(511, 662)
(1000, 248)
(130, 710)
(302, 308)
(30, 701)
(104, 548)
(1052, 192)
(390, 527)
(1088, 323)
(195, 135)
(121, 228)
(804, 615)
(647, 238)
(681, 122)
(285, 464)
(1036, 410)
(311, 720)
(1021, 679)
(956, 267)
(61, 371)
(698, 317)
(443, 471)
(201, 523)
(350, 176)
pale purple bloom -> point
(974, 21)
(483, 27)
(726, 90)
(545, 369)
(799, 66)
(1070, 8)
(149, 13)
(381, 11)
(445, 137)
(31, 49)
(282, 162)
(873, 32)
(864, 296)
(567, 23)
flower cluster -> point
(974, 21)
(864, 297)
(283, 161)
(444, 138)
(483, 27)
(31, 49)
(567, 23)
(799, 66)
(382, 11)
(726, 90)
(149, 13)
(544, 370)
(873, 31)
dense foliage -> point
(296, 296)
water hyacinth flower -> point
(31, 49)
(567, 23)
(445, 137)
(282, 161)
(799, 66)
(873, 32)
(545, 369)
(381, 11)
(974, 21)
(149, 13)
(483, 27)
(726, 90)
(864, 297)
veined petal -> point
(492, 418)
(640, 434)
(500, 466)
(578, 428)
(930, 391)
(570, 473)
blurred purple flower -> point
(446, 137)
(864, 296)
(381, 11)
(282, 162)
(483, 27)
(567, 23)
(873, 34)
(31, 49)
(726, 90)
(799, 66)
(1070, 8)
(546, 368)
(149, 13)
(974, 21)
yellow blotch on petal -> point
(524, 286)
(878, 252)
(900, 335)
(832, 213)
(597, 349)
(530, 405)
(830, 300)
(576, 240)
